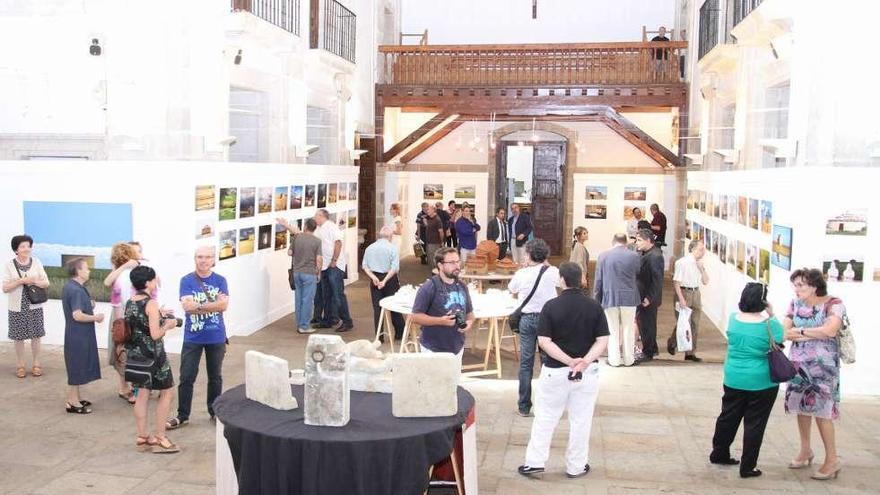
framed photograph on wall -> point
(780, 249)
(596, 212)
(764, 267)
(722, 210)
(850, 222)
(264, 237)
(742, 214)
(844, 267)
(353, 191)
(722, 248)
(432, 191)
(246, 240)
(204, 228)
(731, 252)
(309, 196)
(227, 245)
(690, 200)
(754, 222)
(465, 192)
(322, 195)
(752, 261)
(352, 219)
(280, 237)
(332, 193)
(710, 203)
(635, 193)
(732, 209)
(281, 193)
(766, 217)
(247, 202)
(296, 197)
(204, 198)
(228, 203)
(264, 200)
(343, 191)
(688, 225)
(741, 256)
(596, 192)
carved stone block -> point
(326, 392)
(267, 381)
(424, 385)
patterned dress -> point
(815, 391)
(27, 323)
(143, 349)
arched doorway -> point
(530, 169)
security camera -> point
(229, 140)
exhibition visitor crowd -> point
(567, 316)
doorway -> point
(531, 175)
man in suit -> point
(497, 231)
(519, 228)
(650, 282)
(618, 293)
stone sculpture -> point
(326, 393)
(424, 385)
(267, 381)
(369, 369)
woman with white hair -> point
(381, 264)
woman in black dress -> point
(80, 342)
(147, 366)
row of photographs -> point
(755, 262)
(599, 211)
(245, 202)
(758, 214)
(246, 240)
(435, 191)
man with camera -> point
(204, 296)
(443, 306)
(572, 335)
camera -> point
(178, 321)
(460, 320)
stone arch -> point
(571, 154)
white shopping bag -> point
(684, 339)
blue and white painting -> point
(63, 230)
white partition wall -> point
(804, 199)
(164, 219)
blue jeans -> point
(335, 302)
(528, 342)
(305, 285)
(190, 356)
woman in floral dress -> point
(811, 323)
(147, 365)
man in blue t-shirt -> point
(204, 297)
(437, 302)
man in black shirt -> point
(572, 334)
(420, 230)
(650, 282)
(658, 225)
(660, 55)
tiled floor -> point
(651, 432)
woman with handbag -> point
(811, 323)
(25, 281)
(124, 258)
(749, 392)
(147, 365)
(80, 342)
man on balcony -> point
(660, 55)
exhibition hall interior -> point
(459, 247)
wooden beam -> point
(415, 136)
(640, 139)
(432, 139)
(411, 109)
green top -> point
(746, 366)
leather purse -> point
(781, 369)
(34, 294)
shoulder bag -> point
(34, 294)
(781, 369)
(513, 318)
(846, 343)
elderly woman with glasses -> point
(811, 323)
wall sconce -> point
(95, 48)
(237, 60)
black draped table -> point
(275, 452)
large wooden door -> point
(547, 198)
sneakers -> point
(525, 414)
(691, 357)
(343, 328)
(578, 475)
(305, 330)
(529, 471)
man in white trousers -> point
(572, 333)
(617, 291)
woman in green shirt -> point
(748, 392)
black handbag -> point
(781, 369)
(513, 318)
(34, 294)
(138, 371)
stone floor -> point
(651, 432)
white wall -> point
(407, 188)
(661, 189)
(558, 21)
(803, 199)
(162, 198)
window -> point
(321, 130)
(708, 27)
(247, 123)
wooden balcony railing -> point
(282, 13)
(537, 64)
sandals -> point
(165, 446)
(85, 403)
(146, 444)
(175, 423)
(37, 371)
(81, 409)
(127, 397)
(20, 372)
